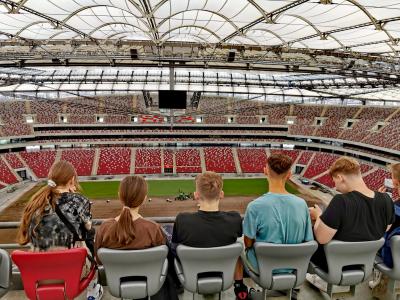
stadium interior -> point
(169, 89)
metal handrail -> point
(14, 225)
(161, 220)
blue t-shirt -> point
(279, 219)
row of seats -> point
(137, 274)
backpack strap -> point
(71, 228)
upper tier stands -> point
(12, 119)
(305, 118)
(118, 110)
(368, 117)
(336, 117)
(81, 159)
(114, 161)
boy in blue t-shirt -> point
(278, 216)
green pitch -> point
(163, 188)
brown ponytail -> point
(60, 173)
(132, 193)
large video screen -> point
(168, 99)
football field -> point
(163, 188)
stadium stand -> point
(81, 159)
(188, 161)
(305, 158)
(291, 153)
(114, 161)
(6, 175)
(305, 118)
(12, 119)
(319, 164)
(336, 117)
(368, 117)
(13, 160)
(375, 180)
(39, 162)
(252, 160)
(326, 180)
(148, 161)
(168, 158)
(219, 160)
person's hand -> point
(315, 212)
(382, 189)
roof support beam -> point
(55, 21)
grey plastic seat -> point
(134, 274)
(272, 257)
(5, 272)
(359, 256)
(207, 270)
(392, 273)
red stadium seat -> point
(53, 275)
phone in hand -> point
(388, 183)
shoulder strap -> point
(71, 228)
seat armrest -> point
(179, 271)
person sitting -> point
(57, 217)
(358, 214)
(277, 216)
(129, 230)
(210, 227)
(379, 282)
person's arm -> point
(249, 227)
(98, 243)
(159, 238)
(391, 214)
(327, 223)
(323, 233)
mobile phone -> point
(388, 183)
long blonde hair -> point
(60, 173)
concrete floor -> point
(306, 293)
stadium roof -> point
(353, 43)
(342, 26)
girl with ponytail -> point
(129, 230)
(56, 216)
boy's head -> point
(278, 166)
(395, 170)
(209, 187)
(345, 172)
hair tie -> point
(126, 207)
(51, 183)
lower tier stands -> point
(13, 160)
(117, 161)
(188, 161)
(252, 160)
(148, 161)
(39, 161)
(219, 160)
(319, 164)
(114, 161)
(6, 175)
(82, 160)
